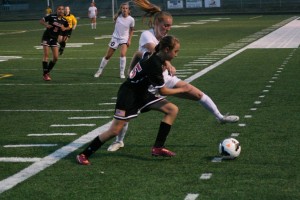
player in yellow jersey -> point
(65, 35)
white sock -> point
(122, 65)
(207, 103)
(92, 26)
(103, 64)
(122, 134)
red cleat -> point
(82, 159)
(47, 77)
(161, 151)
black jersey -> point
(148, 72)
(133, 94)
(56, 24)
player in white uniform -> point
(121, 37)
(149, 39)
(92, 13)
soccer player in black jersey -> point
(134, 97)
(54, 23)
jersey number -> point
(137, 68)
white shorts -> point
(170, 81)
(92, 16)
(115, 43)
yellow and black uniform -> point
(67, 34)
(72, 21)
(48, 11)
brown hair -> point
(154, 12)
(166, 42)
(120, 10)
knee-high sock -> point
(122, 134)
(93, 147)
(163, 132)
(103, 64)
(122, 64)
(208, 103)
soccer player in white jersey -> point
(162, 22)
(92, 13)
(121, 37)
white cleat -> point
(115, 146)
(229, 119)
(98, 74)
(122, 76)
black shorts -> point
(131, 101)
(67, 33)
(50, 42)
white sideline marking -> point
(253, 109)
(235, 134)
(217, 159)
(95, 117)
(248, 116)
(71, 125)
(242, 125)
(61, 84)
(29, 145)
(50, 134)
(18, 159)
(102, 104)
(205, 176)
(191, 196)
(49, 160)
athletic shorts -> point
(50, 42)
(115, 43)
(131, 102)
(66, 33)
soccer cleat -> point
(47, 77)
(98, 74)
(115, 146)
(229, 119)
(161, 151)
(82, 159)
(122, 76)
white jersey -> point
(149, 37)
(92, 12)
(122, 27)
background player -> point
(54, 23)
(121, 38)
(65, 35)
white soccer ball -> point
(230, 148)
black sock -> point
(51, 65)
(93, 147)
(45, 67)
(162, 135)
(62, 45)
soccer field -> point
(247, 64)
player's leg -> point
(197, 95)
(119, 141)
(104, 61)
(123, 51)
(170, 110)
(114, 129)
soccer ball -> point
(230, 148)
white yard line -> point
(49, 160)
